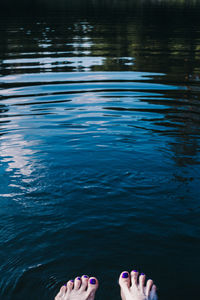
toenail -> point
(125, 275)
(79, 278)
(142, 274)
(65, 284)
(92, 281)
(85, 276)
(135, 271)
(72, 280)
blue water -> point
(100, 148)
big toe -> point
(92, 287)
(124, 280)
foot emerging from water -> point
(82, 288)
(134, 287)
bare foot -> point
(134, 289)
(82, 288)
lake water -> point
(99, 145)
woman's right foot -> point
(134, 287)
(82, 288)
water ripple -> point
(99, 146)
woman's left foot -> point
(82, 288)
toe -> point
(142, 281)
(70, 285)
(84, 284)
(134, 278)
(153, 292)
(77, 283)
(149, 286)
(124, 280)
(61, 292)
(92, 285)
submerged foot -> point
(82, 288)
(134, 287)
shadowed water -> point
(99, 145)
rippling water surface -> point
(99, 147)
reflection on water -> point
(15, 154)
(99, 144)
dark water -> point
(99, 146)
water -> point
(100, 146)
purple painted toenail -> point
(142, 274)
(72, 280)
(125, 275)
(65, 284)
(85, 276)
(79, 278)
(135, 271)
(93, 281)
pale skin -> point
(133, 287)
(82, 288)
